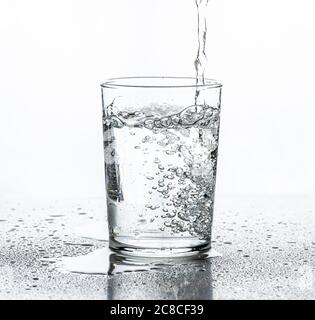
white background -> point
(54, 55)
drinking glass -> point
(161, 139)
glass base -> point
(159, 247)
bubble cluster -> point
(180, 152)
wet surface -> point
(267, 246)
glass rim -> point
(119, 82)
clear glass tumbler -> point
(161, 143)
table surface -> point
(266, 244)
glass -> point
(160, 144)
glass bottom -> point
(159, 247)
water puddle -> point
(96, 262)
(106, 262)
